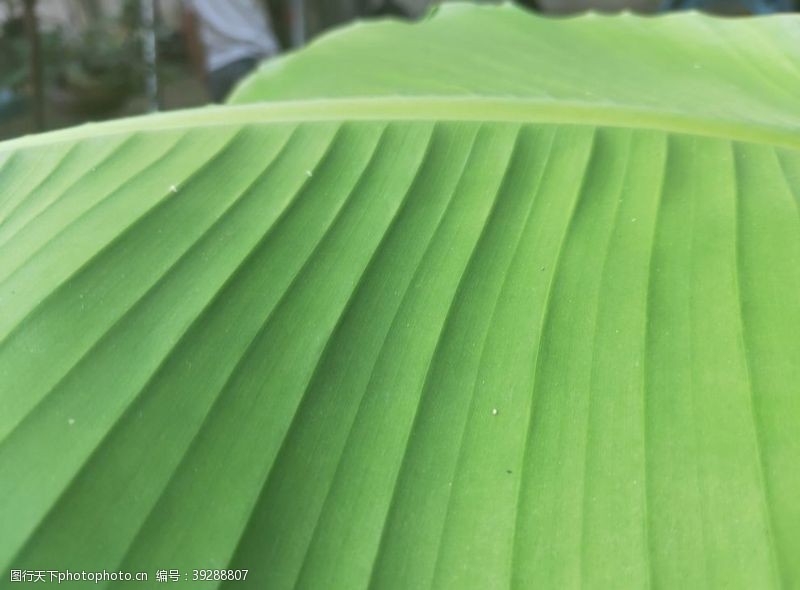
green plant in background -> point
(15, 59)
(90, 72)
(13, 45)
(98, 72)
(101, 68)
(487, 301)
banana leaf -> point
(487, 301)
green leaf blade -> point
(524, 319)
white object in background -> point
(232, 30)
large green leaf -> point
(486, 301)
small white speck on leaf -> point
(494, 412)
(633, 219)
(71, 421)
(173, 188)
(309, 173)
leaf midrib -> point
(427, 108)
